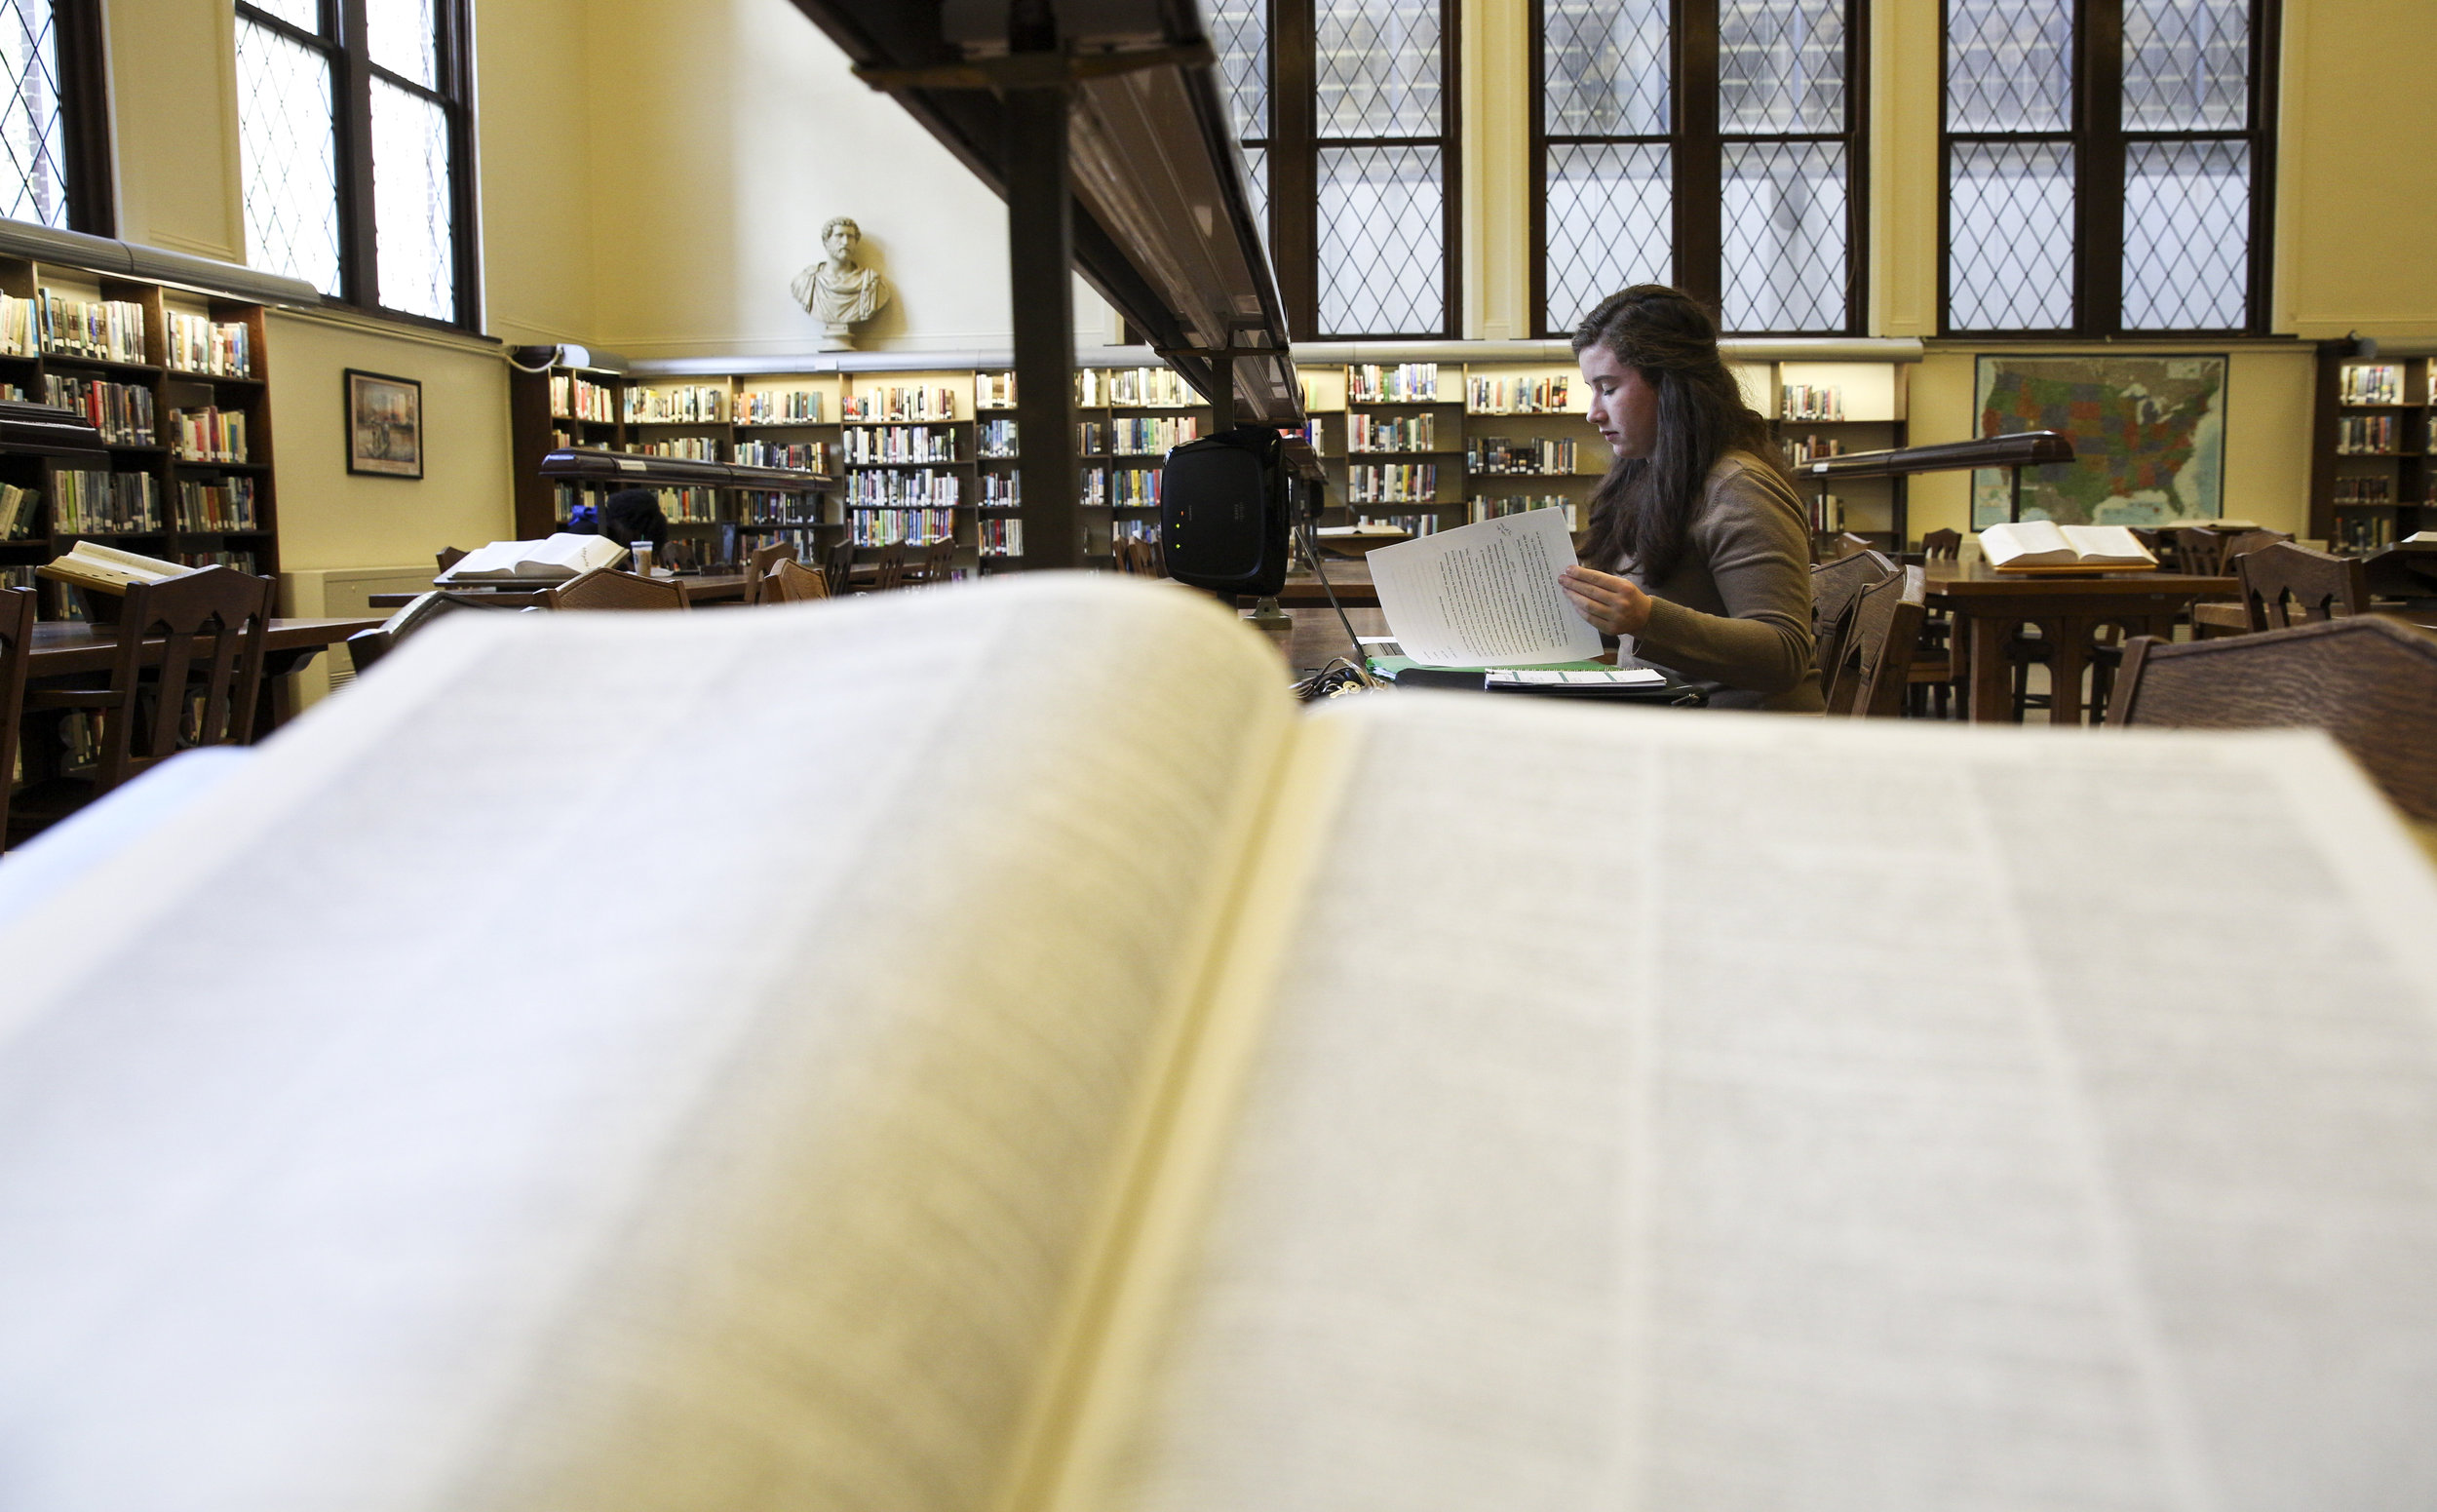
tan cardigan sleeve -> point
(1754, 542)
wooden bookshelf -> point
(189, 506)
(2370, 479)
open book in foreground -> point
(1062, 1078)
(557, 557)
(2042, 543)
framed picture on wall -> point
(384, 425)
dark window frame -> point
(81, 81)
(1294, 145)
(344, 40)
(1697, 153)
(2099, 140)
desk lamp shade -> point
(1222, 512)
(44, 431)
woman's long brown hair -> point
(1645, 505)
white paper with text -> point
(1485, 595)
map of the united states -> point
(2148, 433)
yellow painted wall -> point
(173, 105)
(331, 518)
(2357, 208)
(537, 164)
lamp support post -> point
(1040, 262)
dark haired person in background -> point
(633, 515)
(1699, 556)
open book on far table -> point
(2045, 544)
(1484, 599)
(1058, 1075)
(553, 559)
(108, 570)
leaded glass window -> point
(351, 143)
(1382, 115)
(1705, 143)
(2144, 211)
(54, 138)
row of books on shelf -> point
(999, 439)
(2369, 383)
(901, 526)
(2364, 492)
(1411, 433)
(1811, 402)
(1405, 383)
(810, 456)
(2363, 533)
(783, 407)
(1151, 437)
(1540, 455)
(198, 343)
(2368, 435)
(1518, 396)
(1392, 482)
(1000, 536)
(899, 406)
(54, 323)
(1002, 490)
(96, 503)
(1827, 514)
(883, 445)
(691, 404)
(121, 411)
(894, 491)
(1482, 507)
(691, 506)
(572, 398)
(1130, 388)
(19, 510)
(208, 434)
(1411, 524)
(1799, 449)
(783, 509)
(227, 504)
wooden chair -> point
(1932, 679)
(17, 649)
(1873, 671)
(148, 713)
(2368, 681)
(449, 557)
(1847, 543)
(890, 572)
(1836, 587)
(757, 568)
(937, 564)
(1942, 543)
(792, 582)
(2285, 585)
(605, 588)
(839, 569)
(2213, 554)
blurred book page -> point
(619, 1061)
(1745, 1116)
(1485, 595)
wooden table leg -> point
(1993, 695)
(2069, 638)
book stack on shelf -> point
(1518, 396)
(175, 384)
(1482, 507)
(2369, 478)
(1833, 410)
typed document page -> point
(1696, 1173)
(1485, 595)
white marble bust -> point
(841, 292)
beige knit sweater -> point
(1735, 614)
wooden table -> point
(1349, 578)
(1988, 606)
(63, 650)
(723, 588)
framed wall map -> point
(2149, 433)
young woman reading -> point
(1699, 556)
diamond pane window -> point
(1256, 181)
(289, 156)
(1605, 68)
(1383, 240)
(2186, 235)
(304, 15)
(2009, 65)
(35, 186)
(1376, 63)
(1780, 66)
(411, 193)
(2186, 66)
(1239, 29)
(404, 36)
(2010, 251)
(1610, 217)
(1785, 216)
